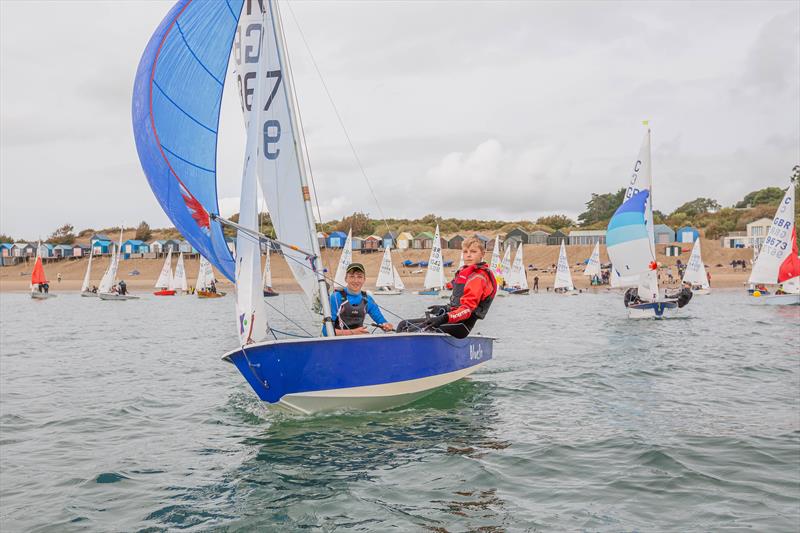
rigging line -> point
(339, 118)
(289, 319)
(305, 152)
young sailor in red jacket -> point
(474, 288)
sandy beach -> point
(717, 260)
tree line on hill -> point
(703, 213)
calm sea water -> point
(120, 416)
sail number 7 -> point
(272, 127)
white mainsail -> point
(593, 266)
(779, 243)
(180, 275)
(281, 167)
(434, 277)
(251, 310)
(164, 280)
(494, 265)
(204, 275)
(695, 269)
(86, 278)
(563, 275)
(110, 276)
(505, 264)
(344, 261)
(518, 277)
(386, 272)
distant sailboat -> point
(344, 261)
(108, 289)
(563, 282)
(206, 286)
(166, 281)
(593, 266)
(496, 266)
(434, 277)
(180, 281)
(85, 292)
(696, 271)
(388, 282)
(40, 287)
(778, 261)
(266, 281)
(517, 281)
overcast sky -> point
(505, 110)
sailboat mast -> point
(312, 226)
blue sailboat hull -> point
(651, 309)
(370, 372)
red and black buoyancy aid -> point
(350, 316)
(460, 281)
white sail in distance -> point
(386, 272)
(563, 275)
(250, 49)
(593, 266)
(434, 277)
(164, 280)
(398, 281)
(180, 275)
(695, 272)
(344, 261)
(505, 264)
(266, 281)
(518, 276)
(279, 164)
(87, 277)
(494, 265)
(111, 274)
(202, 275)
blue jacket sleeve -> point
(374, 311)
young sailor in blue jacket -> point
(350, 306)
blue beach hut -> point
(336, 239)
(687, 234)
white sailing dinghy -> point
(695, 272)
(176, 107)
(778, 261)
(40, 287)
(563, 282)
(517, 279)
(166, 280)
(181, 283)
(630, 241)
(388, 282)
(85, 291)
(108, 285)
(496, 266)
(344, 261)
(206, 286)
(593, 265)
(434, 277)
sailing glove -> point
(436, 321)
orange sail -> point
(37, 276)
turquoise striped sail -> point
(627, 238)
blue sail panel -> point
(628, 222)
(176, 105)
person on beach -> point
(474, 289)
(350, 306)
(535, 283)
(58, 277)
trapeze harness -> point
(350, 316)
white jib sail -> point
(164, 280)
(86, 278)
(266, 281)
(695, 269)
(434, 277)
(563, 275)
(110, 275)
(279, 161)
(180, 275)
(519, 277)
(252, 67)
(344, 261)
(386, 272)
(778, 244)
(593, 266)
(398, 281)
(202, 276)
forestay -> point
(176, 106)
